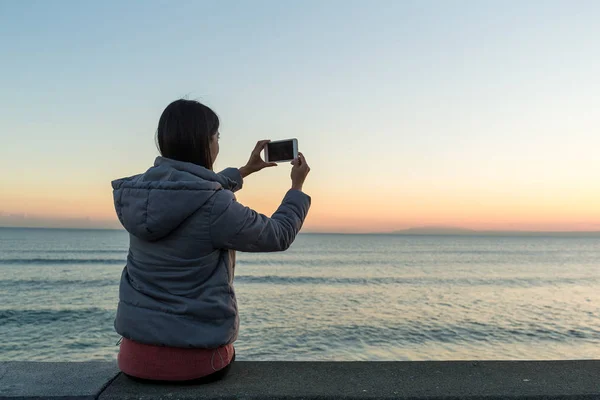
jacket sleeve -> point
(236, 227)
(231, 179)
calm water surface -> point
(330, 297)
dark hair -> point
(185, 130)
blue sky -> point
(480, 114)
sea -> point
(329, 297)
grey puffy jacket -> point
(184, 226)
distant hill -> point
(455, 231)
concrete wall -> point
(316, 380)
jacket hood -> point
(153, 204)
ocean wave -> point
(418, 281)
(392, 333)
(323, 261)
(424, 261)
(461, 252)
(61, 261)
(38, 284)
(467, 333)
(48, 316)
(67, 251)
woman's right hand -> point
(300, 170)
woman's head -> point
(189, 131)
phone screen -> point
(281, 151)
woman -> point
(177, 310)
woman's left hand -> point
(256, 163)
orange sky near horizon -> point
(346, 211)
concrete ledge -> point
(39, 380)
(319, 380)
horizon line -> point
(404, 232)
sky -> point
(475, 114)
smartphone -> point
(281, 150)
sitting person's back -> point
(177, 311)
